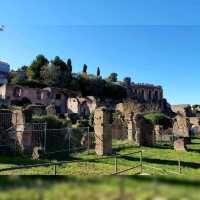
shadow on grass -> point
(166, 180)
(193, 150)
(10, 160)
(165, 162)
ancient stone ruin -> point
(180, 144)
(144, 131)
(158, 129)
(181, 126)
(131, 126)
(119, 128)
(103, 132)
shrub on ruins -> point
(159, 119)
(22, 103)
(114, 91)
(53, 122)
(113, 77)
(83, 122)
(32, 83)
(91, 86)
(74, 117)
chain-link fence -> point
(68, 140)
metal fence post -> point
(179, 166)
(69, 140)
(88, 139)
(141, 166)
(45, 137)
(116, 164)
(55, 169)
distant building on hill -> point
(4, 72)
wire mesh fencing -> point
(68, 140)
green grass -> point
(87, 185)
(164, 158)
(105, 188)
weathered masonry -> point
(147, 92)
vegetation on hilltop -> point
(58, 73)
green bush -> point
(158, 119)
(53, 122)
(83, 123)
(23, 102)
(31, 83)
(74, 117)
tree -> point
(24, 68)
(69, 64)
(127, 80)
(50, 74)
(85, 68)
(37, 65)
(63, 71)
(98, 72)
(59, 63)
(113, 77)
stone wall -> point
(147, 92)
(82, 105)
(144, 132)
(119, 129)
(195, 121)
(182, 109)
(42, 96)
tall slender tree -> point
(98, 72)
(69, 64)
(85, 68)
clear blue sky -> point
(153, 41)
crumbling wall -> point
(144, 131)
(182, 109)
(119, 129)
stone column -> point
(181, 127)
(131, 127)
(103, 131)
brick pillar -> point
(103, 131)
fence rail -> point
(57, 164)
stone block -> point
(180, 144)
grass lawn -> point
(86, 185)
(104, 188)
(156, 161)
